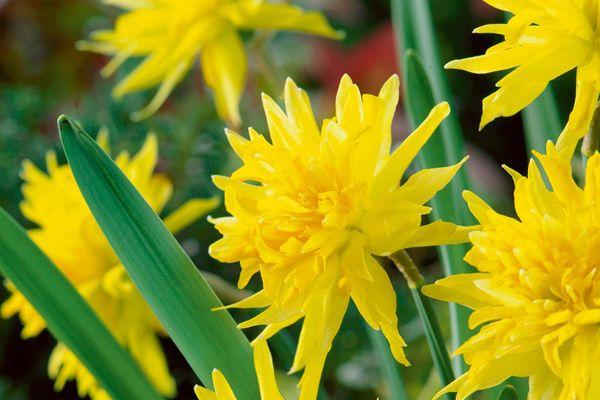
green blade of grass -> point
(159, 267)
(68, 317)
(541, 121)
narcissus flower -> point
(543, 40)
(311, 209)
(171, 35)
(263, 363)
(537, 293)
(67, 232)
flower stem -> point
(591, 141)
(437, 346)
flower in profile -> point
(536, 295)
(171, 35)
(67, 232)
(263, 363)
(312, 209)
(543, 40)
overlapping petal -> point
(171, 36)
(542, 40)
(536, 294)
(52, 202)
(311, 208)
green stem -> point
(591, 141)
(389, 366)
(433, 333)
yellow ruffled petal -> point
(263, 363)
(462, 289)
(189, 212)
(224, 69)
(439, 233)
(249, 14)
(222, 388)
(391, 173)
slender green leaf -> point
(419, 101)
(451, 132)
(159, 267)
(431, 327)
(422, 90)
(68, 317)
(508, 393)
(541, 121)
(389, 366)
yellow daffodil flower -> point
(67, 232)
(543, 40)
(311, 209)
(263, 363)
(172, 34)
(536, 295)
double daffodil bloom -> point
(536, 295)
(543, 40)
(263, 364)
(311, 209)
(172, 34)
(67, 232)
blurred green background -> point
(42, 76)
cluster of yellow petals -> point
(543, 40)
(536, 295)
(68, 234)
(263, 364)
(172, 34)
(312, 209)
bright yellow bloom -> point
(68, 234)
(312, 209)
(537, 293)
(172, 34)
(543, 40)
(263, 363)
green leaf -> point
(431, 327)
(425, 85)
(541, 121)
(68, 317)
(389, 366)
(419, 102)
(159, 267)
(508, 393)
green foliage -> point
(159, 267)
(67, 315)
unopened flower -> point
(263, 363)
(172, 35)
(68, 234)
(543, 40)
(312, 208)
(536, 296)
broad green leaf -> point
(159, 267)
(68, 317)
